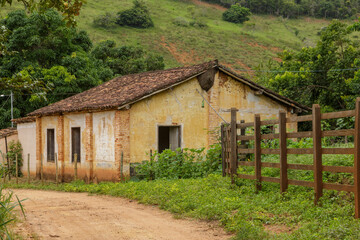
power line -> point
(305, 71)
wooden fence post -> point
(357, 159)
(4, 169)
(17, 168)
(41, 169)
(223, 150)
(233, 145)
(317, 154)
(257, 151)
(9, 168)
(28, 168)
(75, 166)
(283, 152)
(56, 169)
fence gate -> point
(234, 148)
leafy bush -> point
(107, 20)
(138, 16)
(180, 21)
(236, 14)
(186, 163)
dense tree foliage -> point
(339, 9)
(44, 61)
(327, 74)
(236, 14)
(138, 16)
(68, 8)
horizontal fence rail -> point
(235, 148)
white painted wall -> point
(27, 138)
(104, 137)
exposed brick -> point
(89, 145)
(60, 142)
(122, 139)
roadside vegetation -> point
(189, 184)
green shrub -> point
(107, 20)
(138, 16)
(186, 163)
(236, 14)
(180, 21)
(15, 150)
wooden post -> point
(41, 169)
(17, 168)
(233, 145)
(7, 158)
(28, 168)
(316, 122)
(56, 170)
(4, 169)
(9, 166)
(257, 151)
(223, 150)
(122, 166)
(152, 177)
(75, 166)
(283, 153)
(357, 159)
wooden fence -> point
(234, 147)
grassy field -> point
(241, 47)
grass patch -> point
(251, 215)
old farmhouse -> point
(135, 113)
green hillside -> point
(237, 46)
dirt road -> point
(59, 215)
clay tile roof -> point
(24, 119)
(123, 90)
(7, 132)
(131, 88)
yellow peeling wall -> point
(180, 106)
(3, 146)
(183, 106)
(233, 93)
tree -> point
(68, 8)
(45, 61)
(127, 59)
(326, 74)
(236, 14)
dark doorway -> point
(75, 144)
(50, 135)
(169, 137)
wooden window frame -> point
(72, 145)
(50, 145)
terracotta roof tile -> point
(24, 119)
(123, 90)
(7, 132)
(130, 88)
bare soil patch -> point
(59, 215)
(205, 4)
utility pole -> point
(12, 109)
